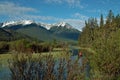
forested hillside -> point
(104, 39)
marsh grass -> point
(4, 58)
(53, 66)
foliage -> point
(4, 47)
(44, 67)
(26, 46)
(104, 39)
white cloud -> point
(8, 8)
(71, 3)
(80, 16)
(74, 3)
(17, 12)
(38, 17)
(77, 23)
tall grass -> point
(45, 67)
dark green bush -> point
(25, 46)
(4, 47)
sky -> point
(74, 12)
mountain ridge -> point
(27, 22)
(45, 32)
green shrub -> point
(25, 46)
(4, 47)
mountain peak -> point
(64, 24)
(47, 26)
(26, 22)
(23, 22)
(60, 24)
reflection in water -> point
(80, 61)
(5, 72)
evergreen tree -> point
(117, 21)
(105, 42)
(96, 22)
(110, 17)
(101, 20)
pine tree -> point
(101, 21)
(117, 20)
(110, 17)
(105, 41)
(95, 22)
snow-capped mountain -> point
(22, 22)
(45, 25)
(64, 24)
(61, 24)
(43, 31)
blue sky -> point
(74, 12)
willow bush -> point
(44, 67)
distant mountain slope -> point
(66, 31)
(45, 32)
(36, 31)
(10, 35)
(4, 35)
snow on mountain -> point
(64, 24)
(26, 22)
(23, 22)
(45, 25)
(8, 23)
(61, 24)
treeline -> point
(25, 46)
(104, 38)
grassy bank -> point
(4, 58)
(57, 52)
